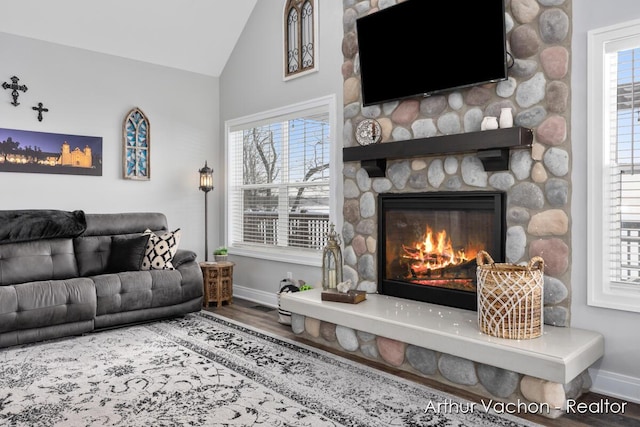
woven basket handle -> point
(536, 263)
(483, 258)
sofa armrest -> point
(192, 279)
(182, 256)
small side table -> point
(218, 282)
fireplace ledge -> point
(559, 355)
(492, 147)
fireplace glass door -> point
(428, 244)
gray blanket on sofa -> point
(36, 224)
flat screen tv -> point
(422, 47)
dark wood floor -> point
(266, 318)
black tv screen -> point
(420, 47)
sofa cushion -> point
(39, 260)
(92, 254)
(45, 303)
(127, 253)
(160, 250)
(124, 223)
(138, 290)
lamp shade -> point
(206, 178)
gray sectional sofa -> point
(80, 272)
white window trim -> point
(601, 292)
(284, 255)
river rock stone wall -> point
(537, 184)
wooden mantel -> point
(492, 147)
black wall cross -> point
(40, 109)
(15, 87)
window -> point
(300, 35)
(279, 198)
(614, 167)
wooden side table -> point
(218, 282)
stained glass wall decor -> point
(137, 145)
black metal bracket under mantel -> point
(492, 147)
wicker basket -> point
(510, 298)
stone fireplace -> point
(425, 148)
(428, 243)
(536, 180)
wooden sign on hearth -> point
(351, 297)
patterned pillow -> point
(160, 250)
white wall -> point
(89, 94)
(618, 373)
(252, 82)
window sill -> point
(616, 299)
(291, 256)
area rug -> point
(203, 370)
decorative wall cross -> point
(15, 87)
(40, 109)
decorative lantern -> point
(331, 261)
(206, 178)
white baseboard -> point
(261, 297)
(615, 385)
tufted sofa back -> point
(92, 248)
(65, 258)
(38, 260)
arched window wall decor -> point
(137, 145)
(300, 35)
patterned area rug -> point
(203, 370)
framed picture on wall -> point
(137, 145)
(44, 152)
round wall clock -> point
(368, 132)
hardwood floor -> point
(266, 318)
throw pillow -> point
(160, 250)
(127, 253)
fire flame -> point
(435, 252)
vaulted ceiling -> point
(191, 35)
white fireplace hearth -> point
(549, 369)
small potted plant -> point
(220, 254)
(303, 285)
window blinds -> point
(279, 181)
(624, 152)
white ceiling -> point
(192, 35)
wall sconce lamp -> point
(206, 185)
